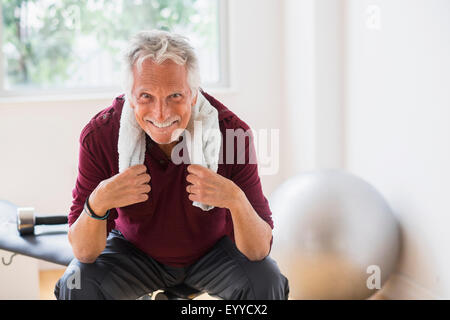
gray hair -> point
(159, 46)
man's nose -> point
(161, 110)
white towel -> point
(203, 129)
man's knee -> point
(267, 281)
(80, 281)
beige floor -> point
(47, 281)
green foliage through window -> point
(71, 43)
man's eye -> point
(176, 95)
(145, 96)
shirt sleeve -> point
(90, 174)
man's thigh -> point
(228, 274)
(121, 272)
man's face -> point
(161, 99)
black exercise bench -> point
(50, 243)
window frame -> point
(107, 91)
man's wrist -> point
(94, 205)
(237, 199)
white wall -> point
(313, 84)
(398, 129)
(39, 139)
(376, 101)
(19, 279)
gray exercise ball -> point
(335, 237)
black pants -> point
(124, 272)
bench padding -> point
(49, 243)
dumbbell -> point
(26, 220)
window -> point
(55, 45)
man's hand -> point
(128, 187)
(251, 232)
(211, 188)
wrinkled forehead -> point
(166, 74)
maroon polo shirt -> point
(167, 226)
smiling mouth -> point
(163, 126)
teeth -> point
(163, 125)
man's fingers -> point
(194, 197)
(197, 169)
(143, 197)
(192, 179)
(192, 189)
(139, 168)
(142, 194)
(145, 188)
(144, 178)
(139, 174)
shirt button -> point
(162, 161)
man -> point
(137, 231)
